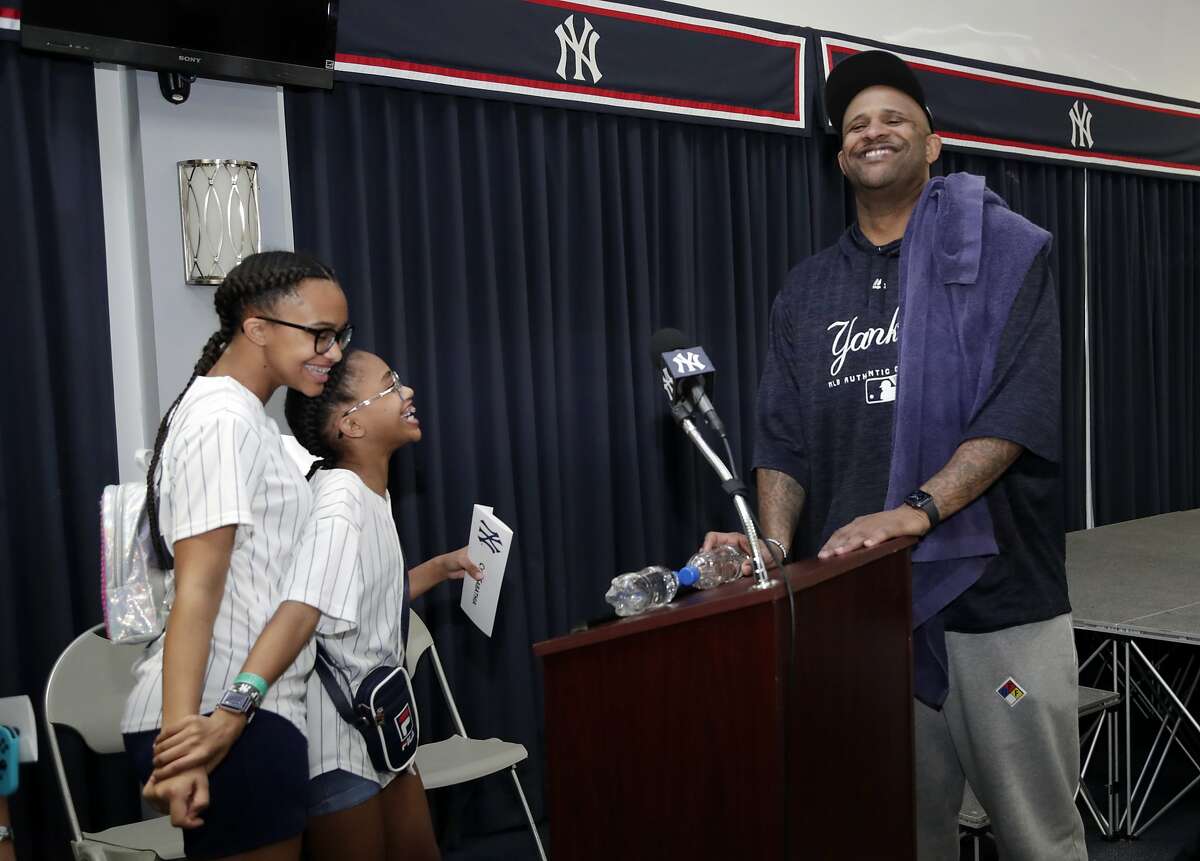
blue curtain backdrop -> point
(57, 429)
(513, 261)
(1144, 289)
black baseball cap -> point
(869, 69)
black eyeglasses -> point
(323, 339)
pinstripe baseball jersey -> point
(354, 543)
(223, 463)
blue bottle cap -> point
(687, 575)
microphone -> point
(663, 342)
(685, 371)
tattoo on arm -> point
(975, 466)
(780, 501)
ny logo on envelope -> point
(488, 546)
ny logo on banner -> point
(687, 363)
(1081, 125)
(584, 46)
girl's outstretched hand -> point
(458, 565)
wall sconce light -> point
(218, 209)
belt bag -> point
(384, 710)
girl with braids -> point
(227, 501)
(350, 563)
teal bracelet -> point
(257, 682)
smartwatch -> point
(922, 501)
(242, 698)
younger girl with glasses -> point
(225, 499)
(350, 564)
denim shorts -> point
(338, 790)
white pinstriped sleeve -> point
(214, 476)
(325, 572)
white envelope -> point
(488, 546)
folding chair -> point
(460, 758)
(973, 822)
(86, 691)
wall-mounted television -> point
(264, 41)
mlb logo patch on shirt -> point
(1011, 692)
(881, 390)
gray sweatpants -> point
(1022, 759)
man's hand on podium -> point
(740, 541)
(874, 529)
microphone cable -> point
(732, 465)
(789, 685)
(789, 688)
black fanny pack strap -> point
(382, 709)
(404, 608)
(325, 670)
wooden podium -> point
(673, 735)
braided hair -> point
(259, 281)
(311, 418)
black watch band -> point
(922, 501)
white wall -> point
(159, 323)
(1146, 45)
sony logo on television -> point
(188, 59)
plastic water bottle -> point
(643, 590)
(720, 565)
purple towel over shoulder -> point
(963, 260)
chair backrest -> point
(88, 687)
(419, 642)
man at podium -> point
(912, 388)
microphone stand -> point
(733, 487)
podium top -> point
(732, 596)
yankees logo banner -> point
(681, 62)
(666, 60)
(981, 106)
